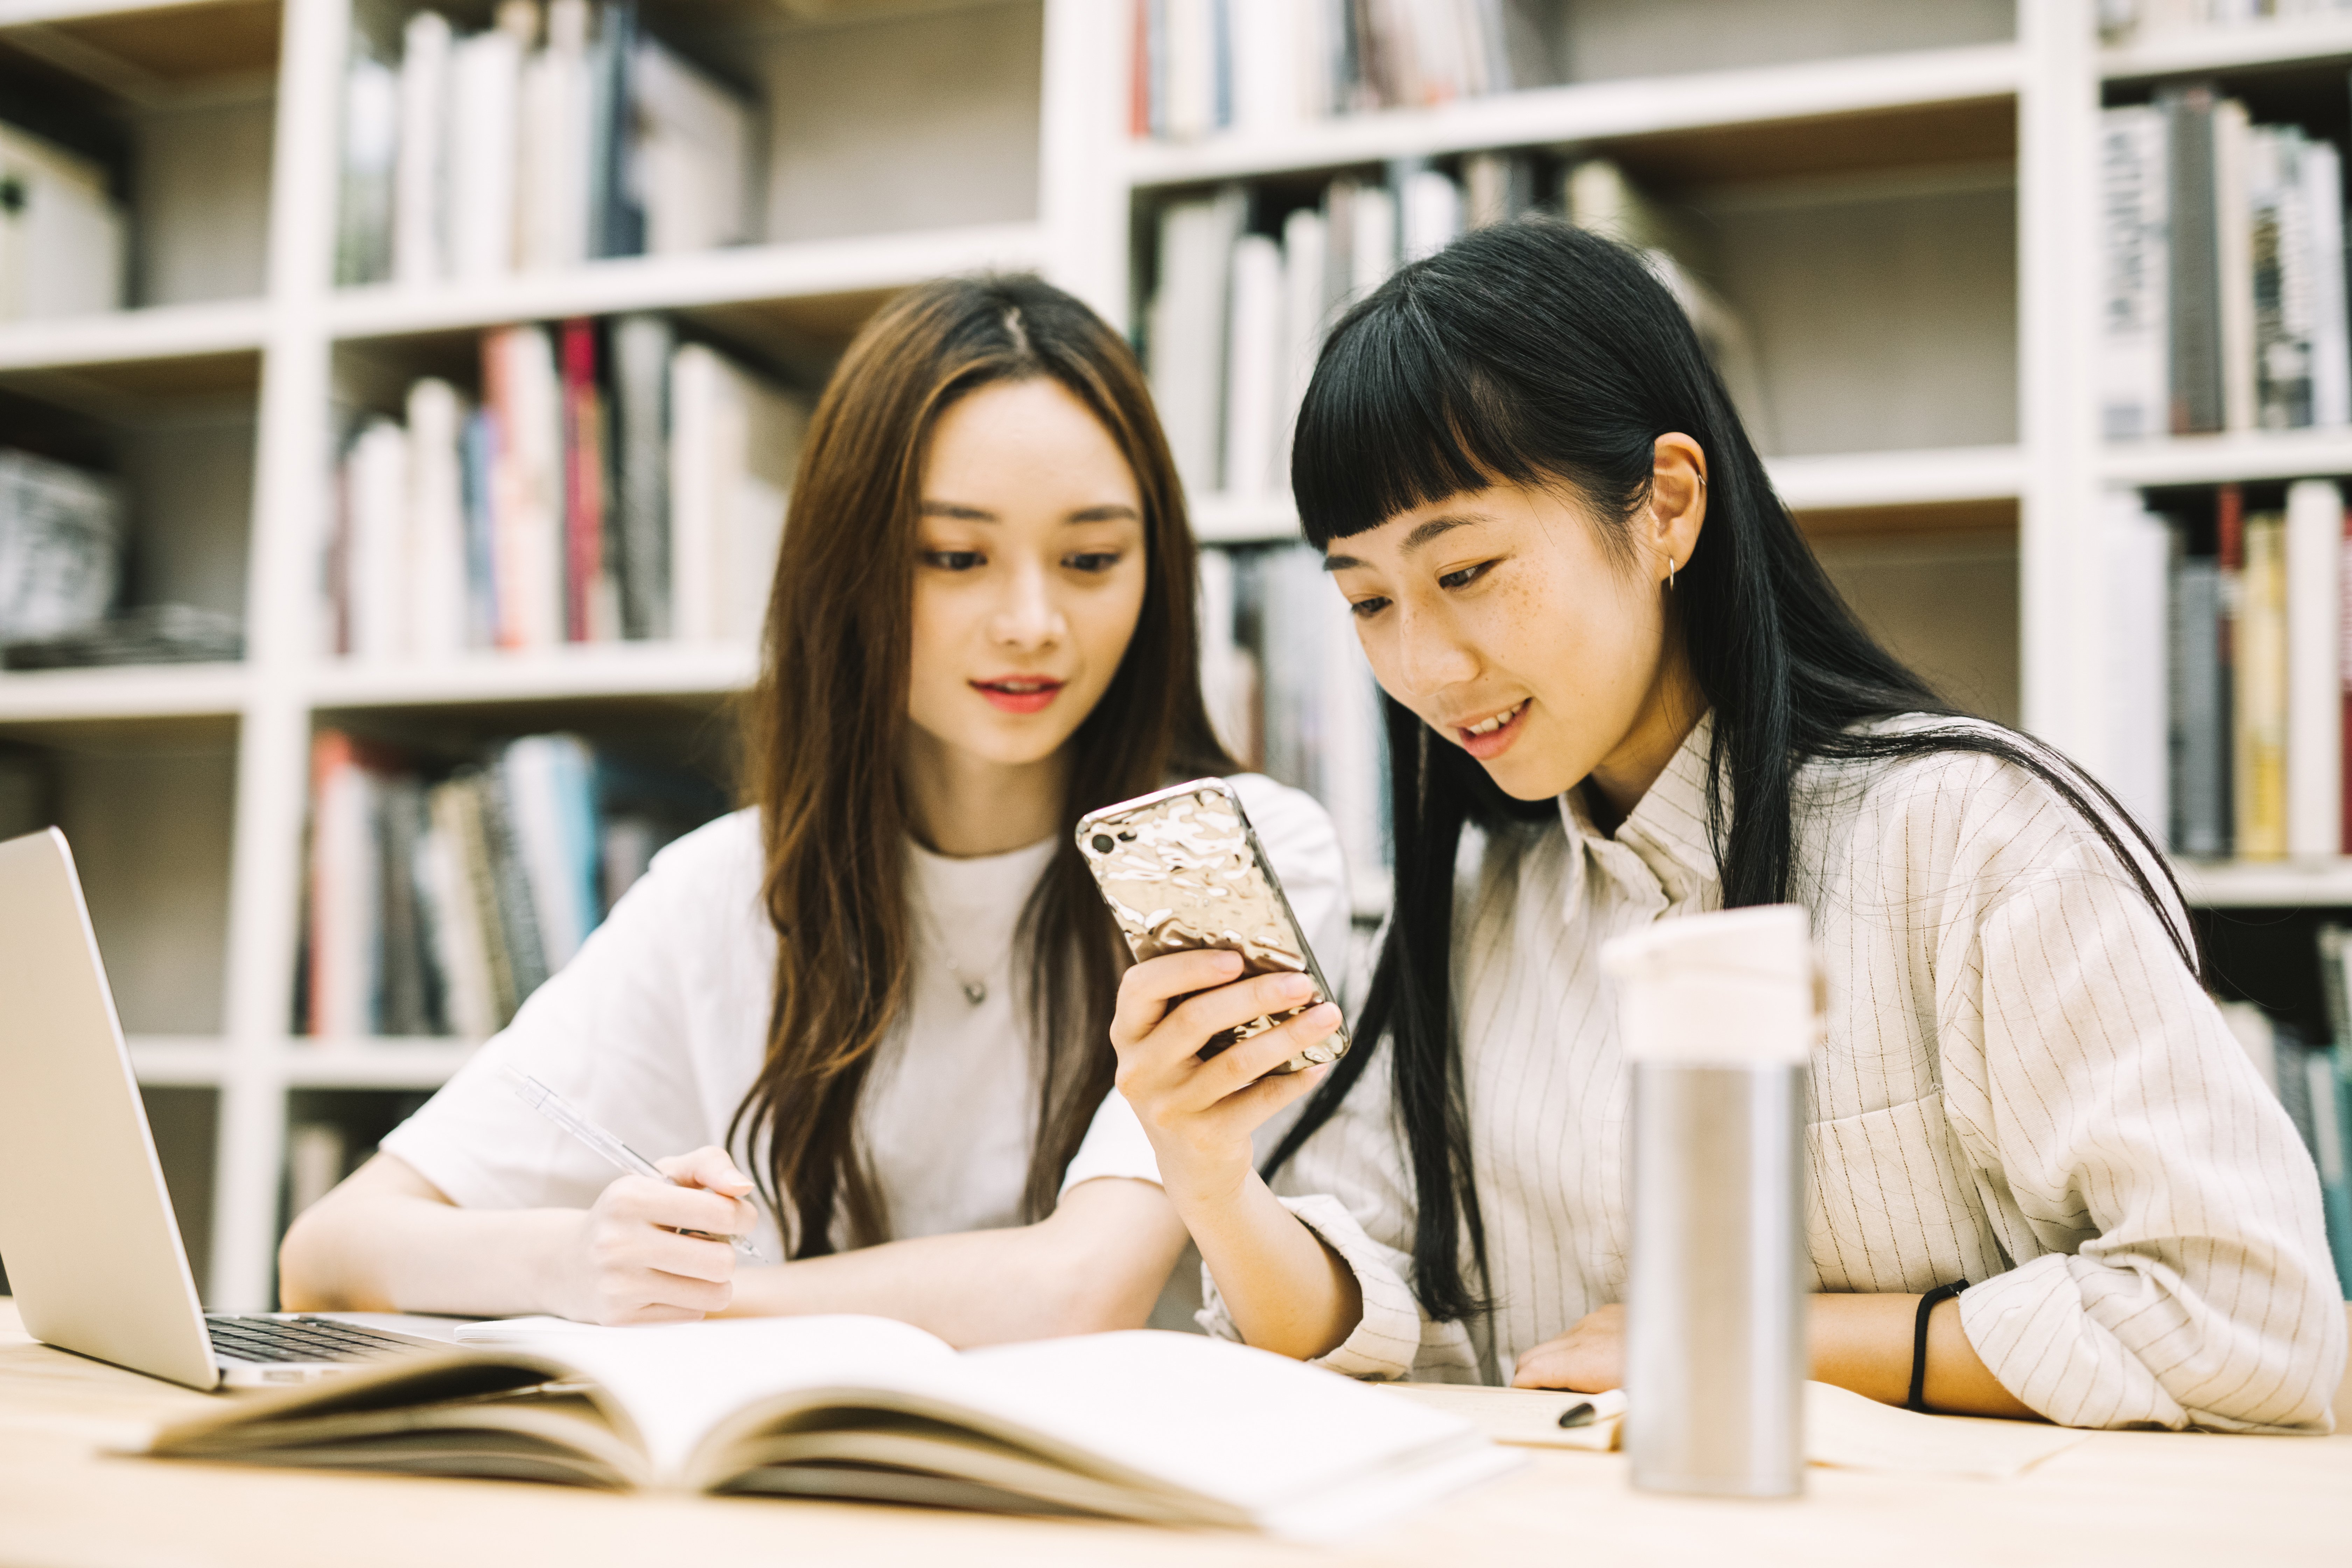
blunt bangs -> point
(1393, 421)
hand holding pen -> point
(561, 1111)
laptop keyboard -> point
(300, 1339)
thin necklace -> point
(975, 989)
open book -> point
(1169, 1428)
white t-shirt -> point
(658, 1028)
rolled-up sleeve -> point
(2176, 1270)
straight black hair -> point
(1537, 353)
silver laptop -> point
(87, 1235)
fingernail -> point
(1577, 1415)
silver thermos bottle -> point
(1718, 1017)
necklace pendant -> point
(974, 991)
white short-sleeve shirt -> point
(658, 1028)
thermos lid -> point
(1729, 989)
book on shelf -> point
(611, 484)
(2222, 278)
(439, 900)
(2329, 1075)
(2134, 21)
(1157, 1427)
(63, 242)
(2256, 665)
(61, 547)
(563, 132)
(1204, 66)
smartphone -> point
(1182, 868)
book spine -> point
(2198, 748)
(436, 524)
(2314, 614)
(453, 919)
(2230, 536)
(420, 219)
(2132, 192)
(2321, 175)
(469, 813)
(478, 470)
(583, 544)
(641, 346)
(2331, 1120)
(511, 876)
(2262, 675)
(2138, 551)
(403, 1007)
(2194, 343)
(2233, 229)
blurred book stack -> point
(1205, 66)
(2230, 672)
(2223, 288)
(438, 904)
(563, 133)
(1245, 290)
(2309, 1076)
(1291, 696)
(612, 483)
(2134, 21)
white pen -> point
(558, 1110)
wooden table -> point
(2138, 1498)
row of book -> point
(2230, 672)
(436, 905)
(562, 133)
(2122, 21)
(2312, 1079)
(2222, 302)
(1291, 696)
(1244, 291)
(1204, 66)
(63, 245)
(611, 482)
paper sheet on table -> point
(1845, 1429)
(1842, 1429)
(1526, 1416)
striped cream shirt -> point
(2022, 1085)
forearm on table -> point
(1286, 1292)
(386, 1241)
(1097, 1263)
(1864, 1342)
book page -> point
(678, 1380)
(1241, 1427)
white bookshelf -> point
(918, 137)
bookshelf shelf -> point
(810, 269)
(158, 335)
(2266, 884)
(2244, 454)
(179, 1062)
(608, 669)
(1865, 84)
(371, 1064)
(165, 691)
(2285, 41)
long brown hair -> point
(826, 730)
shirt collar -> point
(1661, 852)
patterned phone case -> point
(1182, 868)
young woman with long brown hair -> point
(885, 989)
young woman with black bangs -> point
(1621, 689)
(885, 987)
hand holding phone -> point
(1182, 871)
